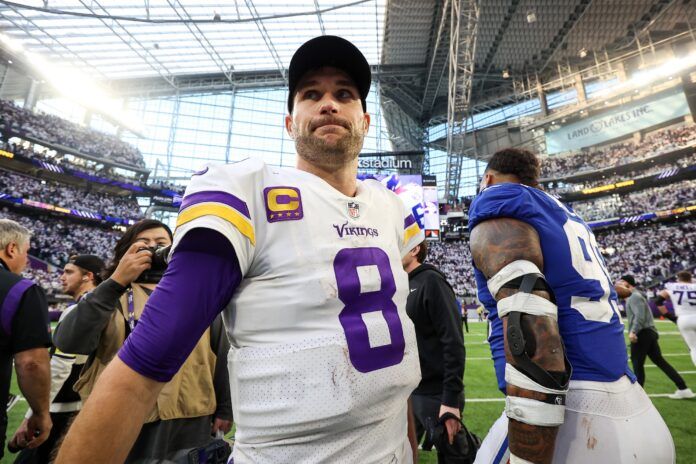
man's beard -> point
(319, 152)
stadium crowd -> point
(49, 281)
(88, 167)
(54, 240)
(454, 260)
(650, 252)
(55, 130)
(560, 188)
(630, 204)
(47, 191)
(555, 167)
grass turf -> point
(480, 383)
(680, 415)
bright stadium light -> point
(10, 43)
(666, 69)
(75, 86)
(646, 77)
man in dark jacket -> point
(24, 337)
(432, 306)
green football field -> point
(484, 403)
(481, 389)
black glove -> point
(462, 450)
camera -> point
(160, 255)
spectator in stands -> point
(24, 337)
(649, 253)
(49, 281)
(81, 275)
(647, 170)
(197, 400)
(454, 259)
(62, 238)
(643, 337)
(559, 166)
(53, 130)
(81, 167)
(68, 196)
(439, 398)
(643, 201)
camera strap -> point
(131, 310)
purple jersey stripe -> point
(207, 196)
(409, 221)
(11, 304)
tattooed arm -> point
(494, 244)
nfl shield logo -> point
(353, 210)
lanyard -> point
(131, 310)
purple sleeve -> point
(201, 278)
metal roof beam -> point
(464, 31)
(201, 38)
(488, 62)
(321, 21)
(580, 8)
(166, 77)
(438, 60)
(266, 37)
(50, 47)
(393, 75)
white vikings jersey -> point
(323, 354)
(683, 297)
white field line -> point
(502, 399)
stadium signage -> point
(624, 121)
(364, 163)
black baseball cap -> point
(90, 263)
(329, 50)
(629, 279)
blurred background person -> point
(24, 337)
(196, 402)
(643, 337)
(682, 294)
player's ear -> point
(288, 126)
(11, 249)
(487, 179)
(366, 123)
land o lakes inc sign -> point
(625, 120)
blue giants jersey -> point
(588, 315)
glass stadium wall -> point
(183, 133)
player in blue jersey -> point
(557, 337)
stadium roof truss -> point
(159, 47)
(166, 38)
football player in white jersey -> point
(306, 264)
(682, 294)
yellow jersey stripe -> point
(225, 212)
(412, 231)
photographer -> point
(99, 324)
